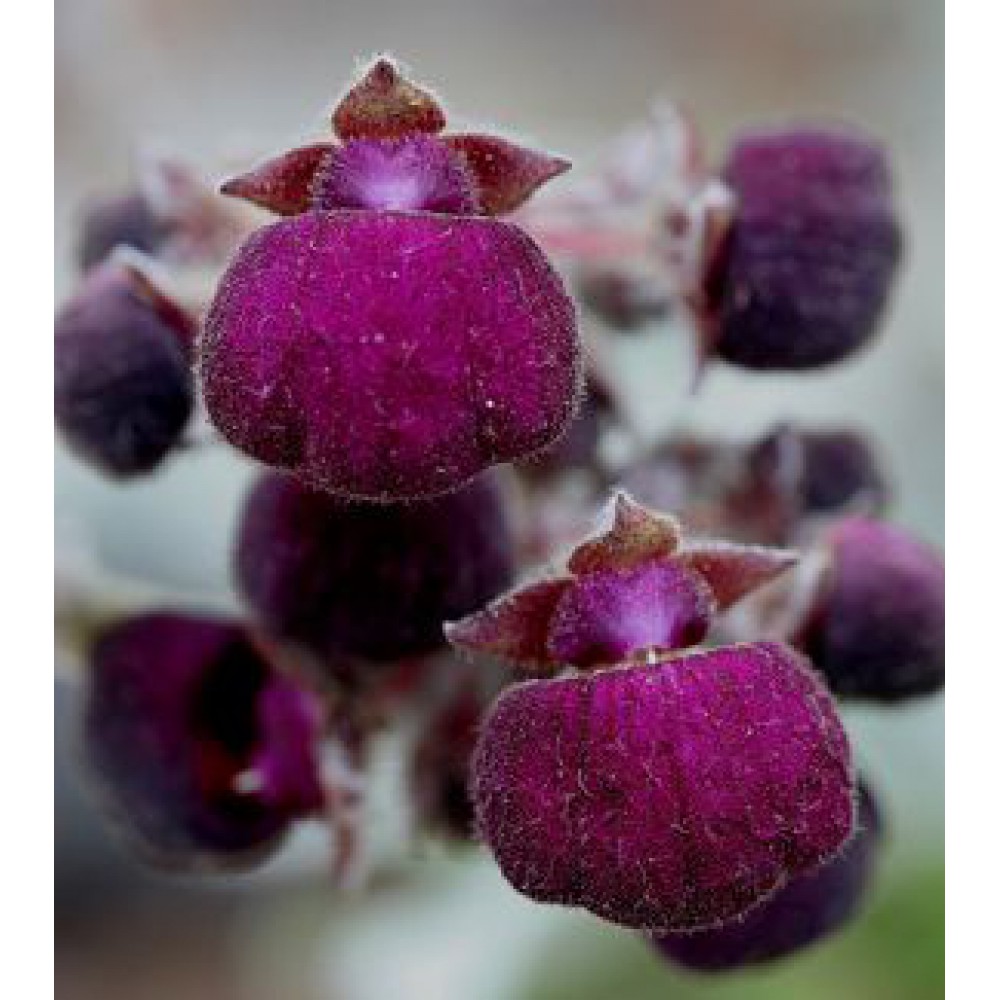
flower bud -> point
(807, 265)
(201, 750)
(373, 582)
(124, 390)
(877, 628)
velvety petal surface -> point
(375, 582)
(668, 797)
(811, 254)
(386, 355)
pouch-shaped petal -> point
(386, 355)
(670, 797)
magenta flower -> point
(806, 268)
(671, 791)
(392, 340)
(876, 628)
(124, 390)
(202, 751)
(808, 909)
(375, 582)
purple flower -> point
(877, 626)
(200, 748)
(124, 390)
(673, 796)
(807, 265)
(666, 791)
(374, 582)
(391, 341)
(809, 908)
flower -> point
(124, 390)
(808, 908)
(375, 582)
(663, 790)
(392, 339)
(876, 623)
(805, 269)
(201, 749)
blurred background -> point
(220, 82)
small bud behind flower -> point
(876, 629)
(808, 261)
(373, 582)
(124, 389)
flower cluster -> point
(651, 732)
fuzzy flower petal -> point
(388, 356)
(808, 262)
(374, 582)
(672, 797)
(514, 628)
(124, 389)
(636, 535)
(733, 571)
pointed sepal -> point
(733, 571)
(514, 628)
(383, 104)
(284, 184)
(506, 174)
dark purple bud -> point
(388, 356)
(812, 251)
(126, 220)
(124, 390)
(821, 472)
(383, 104)
(674, 796)
(284, 184)
(625, 299)
(202, 750)
(877, 628)
(809, 908)
(506, 174)
(374, 582)
(414, 173)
